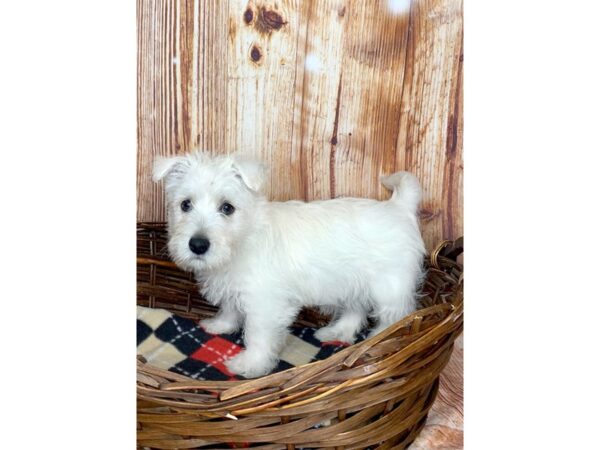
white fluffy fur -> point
(352, 257)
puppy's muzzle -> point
(199, 245)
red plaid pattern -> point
(215, 351)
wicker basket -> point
(374, 394)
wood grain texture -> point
(330, 93)
(430, 138)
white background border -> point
(68, 88)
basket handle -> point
(448, 249)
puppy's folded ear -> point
(251, 171)
(164, 167)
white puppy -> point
(262, 261)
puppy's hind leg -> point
(393, 297)
(344, 326)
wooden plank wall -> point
(330, 93)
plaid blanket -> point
(180, 345)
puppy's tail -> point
(407, 190)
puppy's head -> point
(211, 204)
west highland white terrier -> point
(262, 261)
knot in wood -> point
(248, 16)
(269, 20)
(255, 53)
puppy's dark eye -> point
(227, 209)
(186, 205)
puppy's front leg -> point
(264, 335)
(227, 320)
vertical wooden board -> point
(318, 78)
(430, 138)
(156, 99)
(146, 31)
(262, 50)
(213, 57)
(187, 80)
(452, 220)
(371, 87)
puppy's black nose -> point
(199, 245)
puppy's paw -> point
(328, 334)
(250, 365)
(216, 325)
